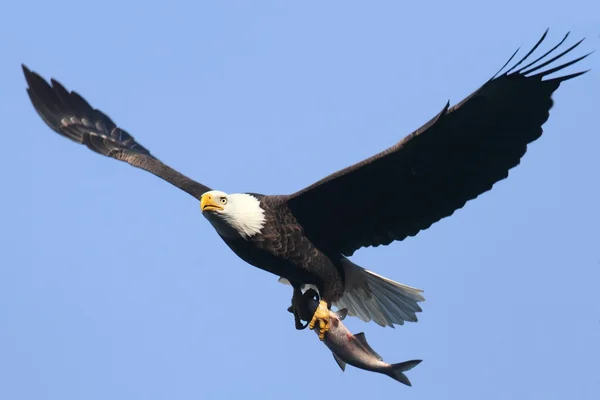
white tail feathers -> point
(370, 296)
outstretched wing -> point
(458, 155)
(71, 116)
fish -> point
(355, 350)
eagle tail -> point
(370, 296)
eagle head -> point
(233, 215)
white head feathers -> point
(233, 214)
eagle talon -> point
(322, 315)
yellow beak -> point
(208, 203)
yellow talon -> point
(322, 315)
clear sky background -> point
(113, 286)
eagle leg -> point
(297, 320)
(299, 308)
(322, 316)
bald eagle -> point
(305, 238)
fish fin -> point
(396, 371)
(339, 362)
(341, 314)
(363, 341)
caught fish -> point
(354, 349)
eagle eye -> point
(223, 200)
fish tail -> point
(396, 371)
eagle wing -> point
(456, 156)
(71, 116)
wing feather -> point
(455, 157)
(70, 115)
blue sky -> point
(112, 284)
